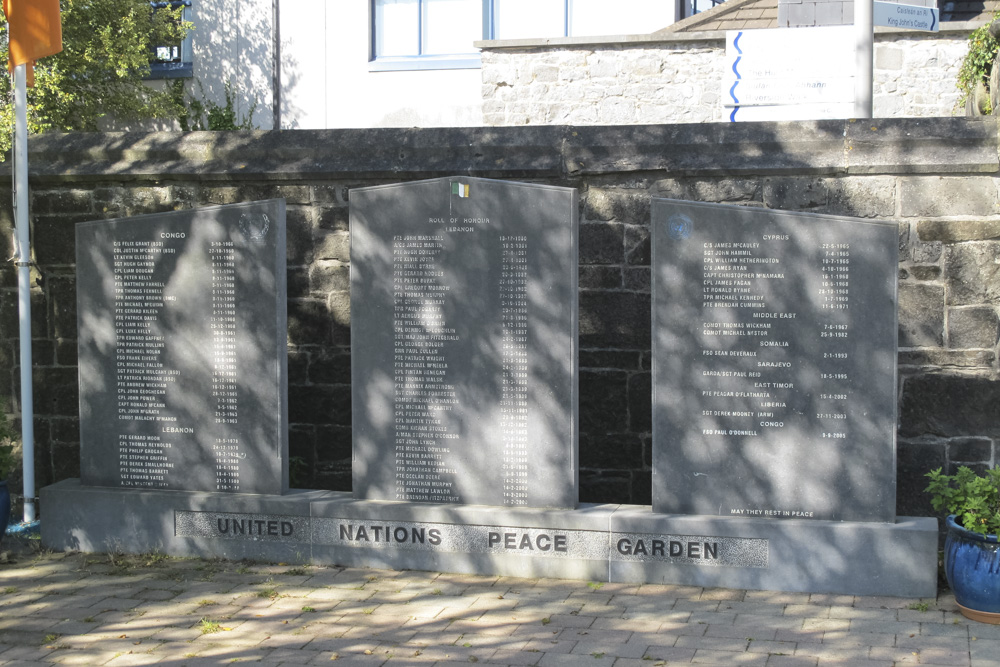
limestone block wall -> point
(678, 80)
(937, 178)
(677, 83)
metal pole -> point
(864, 56)
(23, 258)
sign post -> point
(864, 58)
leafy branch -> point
(973, 499)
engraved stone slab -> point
(235, 526)
(774, 363)
(464, 356)
(619, 543)
(689, 550)
(182, 350)
(462, 538)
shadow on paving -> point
(112, 609)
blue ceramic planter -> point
(972, 565)
(4, 508)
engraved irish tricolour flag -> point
(460, 189)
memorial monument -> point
(182, 350)
(774, 361)
(773, 414)
(464, 390)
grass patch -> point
(919, 606)
(210, 627)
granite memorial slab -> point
(774, 363)
(464, 353)
(182, 350)
(617, 543)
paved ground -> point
(93, 609)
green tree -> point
(107, 45)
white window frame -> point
(419, 61)
(183, 67)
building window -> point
(172, 61)
(435, 34)
(427, 34)
(533, 19)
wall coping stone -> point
(828, 147)
(948, 28)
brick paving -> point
(96, 609)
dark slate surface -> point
(464, 357)
(774, 347)
(182, 350)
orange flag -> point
(35, 31)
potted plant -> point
(7, 462)
(971, 550)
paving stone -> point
(860, 613)
(630, 649)
(550, 645)
(771, 647)
(713, 657)
(715, 643)
(761, 633)
(670, 653)
(791, 661)
(508, 657)
(101, 616)
(572, 660)
(844, 638)
(831, 652)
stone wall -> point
(938, 178)
(678, 79)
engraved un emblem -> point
(254, 226)
(679, 226)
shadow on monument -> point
(508, 357)
(178, 333)
(778, 396)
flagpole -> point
(23, 259)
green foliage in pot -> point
(973, 499)
(978, 61)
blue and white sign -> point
(818, 82)
(898, 15)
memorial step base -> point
(615, 543)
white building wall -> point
(325, 80)
(326, 83)
(232, 43)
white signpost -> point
(897, 15)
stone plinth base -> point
(618, 543)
